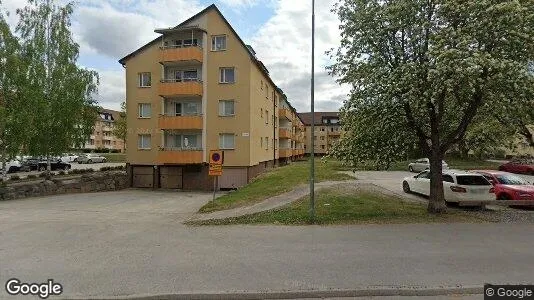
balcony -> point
(285, 152)
(173, 88)
(285, 113)
(284, 133)
(171, 156)
(181, 54)
(180, 122)
(334, 133)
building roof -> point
(115, 114)
(307, 117)
(258, 63)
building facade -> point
(102, 136)
(196, 88)
(327, 131)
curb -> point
(371, 292)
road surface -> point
(133, 243)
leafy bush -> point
(61, 173)
(43, 174)
(14, 177)
(31, 176)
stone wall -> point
(94, 182)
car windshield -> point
(472, 180)
(511, 180)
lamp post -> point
(312, 160)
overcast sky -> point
(278, 30)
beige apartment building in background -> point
(102, 136)
(199, 87)
(327, 131)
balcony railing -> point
(176, 54)
(334, 133)
(285, 113)
(180, 87)
(284, 133)
(285, 152)
(180, 122)
(180, 156)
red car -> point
(509, 186)
(519, 166)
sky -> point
(278, 30)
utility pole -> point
(312, 136)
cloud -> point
(284, 46)
(111, 91)
(239, 3)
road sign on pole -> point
(216, 168)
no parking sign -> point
(216, 161)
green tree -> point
(63, 93)
(435, 62)
(121, 127)
(13, 107)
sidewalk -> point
(269, 203)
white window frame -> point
(222, 137)
(140, 111)
(214, 42)
(140, 138)
(223, 113)
(222, 75)
(140, 80)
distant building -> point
(102, 137)
(327, 131)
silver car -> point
(90, 158)
(423, 164)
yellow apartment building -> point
(102, 136)
(199, 87)
(327, 131)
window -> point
(144, 110)
(226, 108)
(262, 85)
(266, 91)
(322, 138)
(266, 143)
(218, 43)
(227, 141)
(472, 180)
(145, 80)
(261, 142)
(143, 141)
(266, 117)
(322, 147)
(227, 75)
(423, 175)
(261, 113)
(189, 43)
(448, 178)
(190, 75)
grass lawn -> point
(349, 205)
(115, 157)
(277, 181)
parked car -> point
(519, 166)
(509, 186)
(458, 186)
(30, 164)
(423, 164)
(54, 165)
(12, 166)
(68, 158)
(90, 158)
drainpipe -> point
(275, 120)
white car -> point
(68, 158)
(12, 166)
(424, 164)
(458, 186)
(90, 158)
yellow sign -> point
(215, 170)
(216, 162)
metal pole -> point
(312, 161)
(214, 186)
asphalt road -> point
(133, 243)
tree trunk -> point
(436, 202)
(464, 151)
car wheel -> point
(410, 168)
(504, 197)
(42, 169)
(89, 161)
(104, 161)
(406, 187)
(66, 168)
